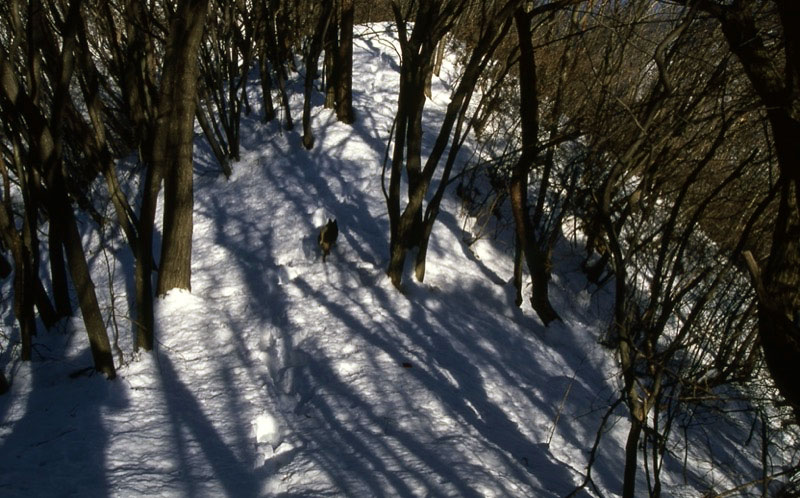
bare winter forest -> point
(621, 178)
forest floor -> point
(281, 375)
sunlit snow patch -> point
(267, 430)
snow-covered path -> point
(283, 376)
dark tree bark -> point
(312, 54)
(44, 129)
(5, 266)
(87, 298)
(58, 272)
(492, 35)
(211, 138)
(536, 257)
(276, 54)
(143, 266)
(344, 64)
(61, 210)
(47, 312)
(266, 88)
(23, 288)
(174, 141)
(331, 55)
(432, 22)
(225, 59)
(97, 147)
(262, 14)
(139, 69)
(408, 131)
(23, 243)
(168, 155)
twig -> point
(561, 408)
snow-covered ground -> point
(279, 375)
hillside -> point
(279, 375)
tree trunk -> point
(58, 272)
(407, 147)
(23, 297)
(266, 88)
(412, 229)
(776, 289)
(87, 299)
(143, 269)
(29, 259)
(176, 126)
(631, 459)
(331, 63)
(344, 65)
(47, 312)
(519, 260)
(539, 267)
(535, 256)
(234, 103)
(5, 266)
(437, 62)
(312, 56)
(412, 226)
(277, 57)
(406, 227)
(216, 148)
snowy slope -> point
(279, 375)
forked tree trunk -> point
(404, 225)
(411, 228)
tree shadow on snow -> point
(197, 444)
(437, 364)
(61, 438)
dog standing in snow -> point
(327, 237)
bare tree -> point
(44, 104)
(774, 73)
(161, 114)
(344, 64)
(413, 226)
(312, 51)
